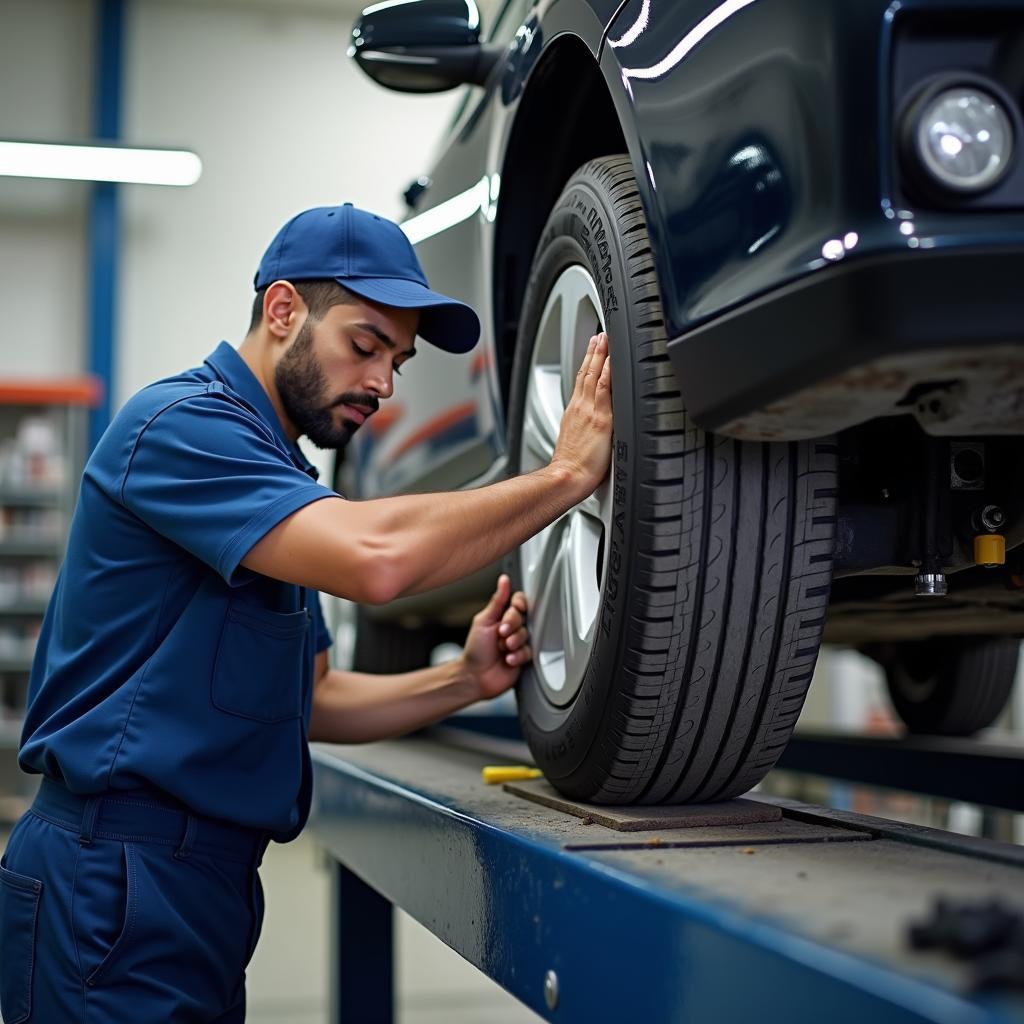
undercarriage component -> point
(992, 518)
(930, 584)
(937, 534)
(950, 514)
(990, 550)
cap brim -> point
(447, 323)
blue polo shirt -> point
(162, 663)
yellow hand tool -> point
(495, 773)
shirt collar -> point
(232, 369)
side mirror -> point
(422, 45)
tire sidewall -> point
(582, 230)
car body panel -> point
(450, 427)
(763, 137)
(780, 111)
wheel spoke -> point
(546, 612)
(580, 320)
(543, 414)
(540, 558)
(580, 594)
(597, 506)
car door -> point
(445, 426)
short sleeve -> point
(208, 475)
(323, 636)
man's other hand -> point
(584, 443)
(498, 644)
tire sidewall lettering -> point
(588, 228)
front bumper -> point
(937, 334)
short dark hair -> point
(319, 296)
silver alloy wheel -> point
(341, 623)
(564, 565)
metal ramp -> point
(801, 919)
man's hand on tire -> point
(584, 440)
(498, 645)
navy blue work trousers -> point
(126, 908)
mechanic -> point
(182, 664)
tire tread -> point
(730, 579)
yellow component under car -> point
(990, 549)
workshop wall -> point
(45, 68)
(282, 120)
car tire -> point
(714, 559)
(390, 648)
(951, 686)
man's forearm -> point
(471, 529)
(376, 550)
(351, 707)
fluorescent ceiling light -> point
(99, 163)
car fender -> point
(739, 116)
(762, 136)
(717, 172)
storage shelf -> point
(69, 391)
(23, 608)
(10, 733)
(44, 430)
(9, 666)
(30, 548)
(31, 497)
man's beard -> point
(302, 387)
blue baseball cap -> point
(371, 257)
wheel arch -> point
(565, 117)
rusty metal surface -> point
(979, 391)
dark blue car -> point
(802, 224)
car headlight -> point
(963, 138)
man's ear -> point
(282, 307)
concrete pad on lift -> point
(642, 819)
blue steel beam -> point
(363, 988)
(623, 946)
(982, 771)
(104, 213)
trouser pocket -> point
(106, 905)
(19, 912)
(161, 938)
(125, 934)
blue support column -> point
(104, 219)
(362, 986)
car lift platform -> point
(800, 919)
